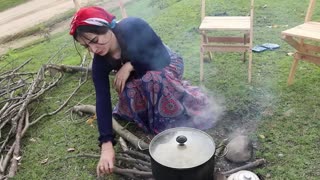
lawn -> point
(283, 121)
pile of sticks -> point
(130, 162)
(134, 165)
(18, 92)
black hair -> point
(90, 29)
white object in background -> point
(243, 175)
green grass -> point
(6, 4)
(288, 117)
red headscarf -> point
(91, 16)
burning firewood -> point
(250, 165)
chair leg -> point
(250, 66)
(209, 53)
(244, 43)
(293, 70)
(201, 64)
(244, 56)
(210, 56)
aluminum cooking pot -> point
(182, 154)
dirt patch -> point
(29, 14)
(35, 12)
(25, 16)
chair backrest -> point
(310, 10)
(203, 9)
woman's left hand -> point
(122, 77)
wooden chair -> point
(226, 43)
(303, 38)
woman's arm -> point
(100, 74)
(122, 76)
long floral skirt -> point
(161, 100)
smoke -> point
(215, 109)
(237, 133)
(209, 112)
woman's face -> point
(98, 44)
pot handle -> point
(222, 148)
(140, 147)
(222, 152)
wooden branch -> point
(131, 171)
(138, 154)
(134, 140)
(11, 89)
(14, 110)
(72, 108)
(10, 99)
(8, 116)
(128, 175)
(118, 157)
(4, 143)
(68, 69)
(127, 135)
(142, 167)
(63, 105)
(4, 107)
(19, 67)
(89, 109)
(15, 113)
(30, 91)
(143, 172)
(17, 74)
(250, 165)
(26, 123)
(132, 160)
(12, 107)
(5, 161)
(123, 144)
(16, 151)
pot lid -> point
(182, 148)
(243, 175)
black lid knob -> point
(181, 139)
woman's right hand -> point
(122, 77)
(107, 159)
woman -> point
(148, 78)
